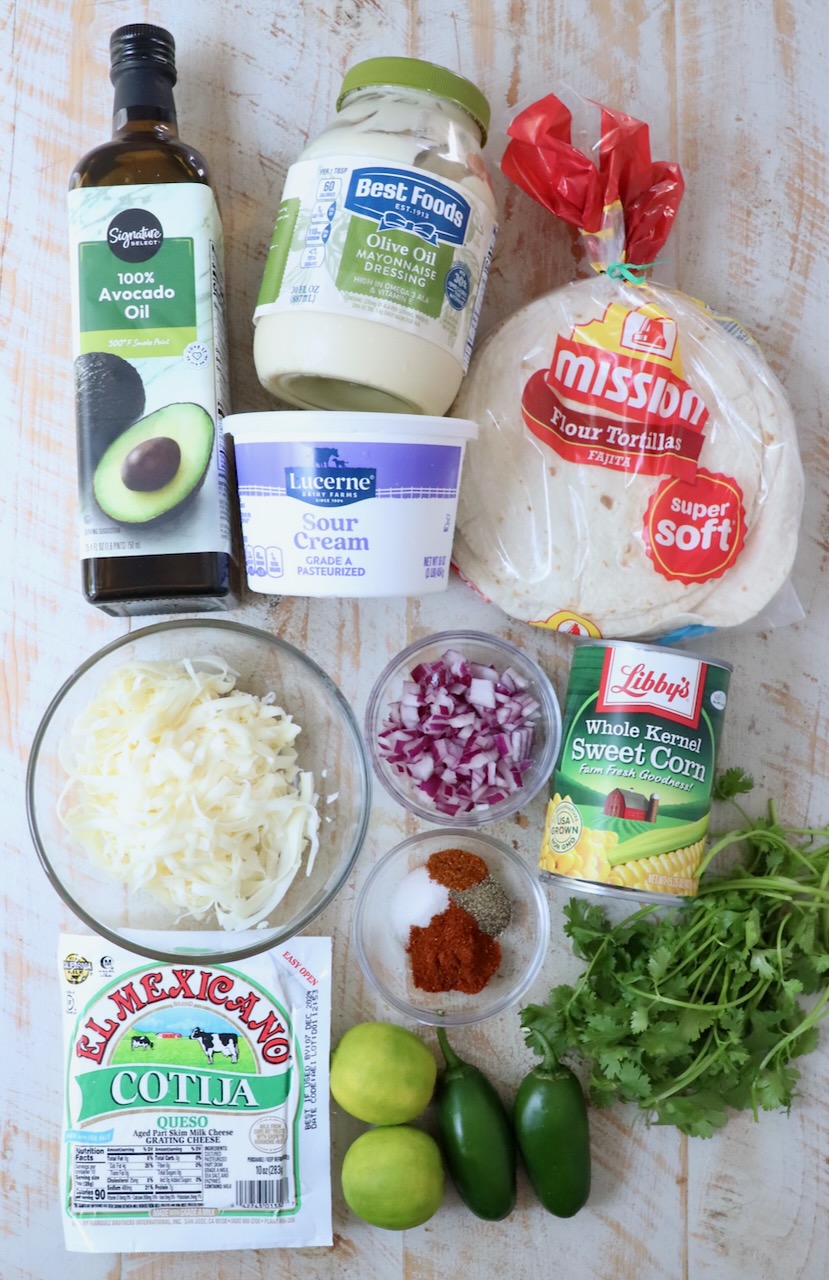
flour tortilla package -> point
(196, 1107)
(637, 470)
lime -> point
(393, 1177)
(382, 1073)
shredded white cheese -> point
(187, 788)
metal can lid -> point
(654, 648)
(414, 73)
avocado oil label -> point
(196, 1111)
(150, 370)
(387, 243)
(631, 791)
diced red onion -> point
(481, 693)
(462, 732)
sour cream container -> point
(377, 265)
(348, 504)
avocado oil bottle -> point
(150, 353)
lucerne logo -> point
(330, 482)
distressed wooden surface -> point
(736, 93)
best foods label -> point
(388, 243)
(196, 1111)
(631, 792)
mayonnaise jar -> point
(377, 266)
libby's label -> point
(386, 242)
(150, 369)
(614, 396)
(631, 790)
(670, 684)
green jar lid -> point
(413, 73)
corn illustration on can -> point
(631, 792)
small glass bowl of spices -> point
(451, 927)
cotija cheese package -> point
(196, 1099)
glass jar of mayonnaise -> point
(379, 257)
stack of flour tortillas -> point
(637, 470)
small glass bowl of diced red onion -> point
(463, 728)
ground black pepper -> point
(487, 903)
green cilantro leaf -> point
(658, 963)
(732, 782)
(639, 1020)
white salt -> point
(415, 901)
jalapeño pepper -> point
(551, 1126)
(476, 1137)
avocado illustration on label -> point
(110, 397)
(155, 467)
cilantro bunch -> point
(694, 1011)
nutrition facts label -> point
(144, 1177)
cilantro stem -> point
(733, 837)
(812, 1018)
(583, 980)
(806, 857)
(808, 831)
(609, 937)
(782, 888)
(701, 1063)
(701, 923)
(712, 979)
(700, 970)
(703, 946)
(687, 1004)
(779, 944)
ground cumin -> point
(456, 868)
(452, 953)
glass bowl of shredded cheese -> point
(451, 927)
(198, 780)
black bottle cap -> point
(142, 44)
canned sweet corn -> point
(631, 791)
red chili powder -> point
(456, 868)
(452, 953)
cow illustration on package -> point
(224, 1042)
